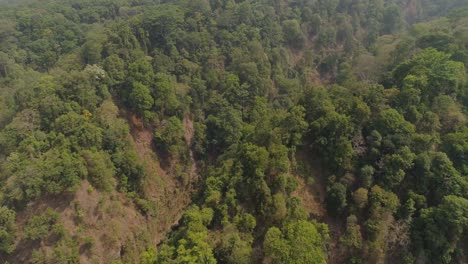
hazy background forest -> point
(230, 131)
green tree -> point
(100, 169)
(79, 130)
(7, 230)
(194, 246)
(141, 71)
(39, 226)
(297, 242)
(170, 137)
(235, 248)
(360, 197)
(140, 97)
(336, 199)
(165, 94)
(293, 34)
(352, 238)
(61, 170)
(456, 147)
(436, 73)
(366, 175)
(115, 69)
(92, 49)
(392, 19)
(439, 230)
(394, 166)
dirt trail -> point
(189, 132)
(310, 198)
(159, 187)
(171, 196)
(313, 199)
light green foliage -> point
(170, 137)
(360, 197)
(332, 131)
(235, 248)
(380, 198)
(295, 126)
(61, 170)
(279, 205)
(141, 72)
(352, 238)
(297, 242)
(92, 49)
(22, 125)
(195, 246)
(433, 73)
(223, 128)
(141, 97)
(65, 251)
(391, 122)
(435, 172)
(39, 226)
(100, 170)
(82, 88)
(149, 256)
(115, 69)
(246, 222)
(165, 94)
(79, 130)
(7, 230)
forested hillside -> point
(232, 131)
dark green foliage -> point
(439, 229)
(456, 147)
(235, 248)
(293, 33)
(336, 199)
(170, 137)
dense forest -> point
(233, 131)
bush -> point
(39, 226)
(7, 230)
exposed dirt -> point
(188, 134)
(117, 229)
(313, 196)
(110, 221)
(311, 200)
(160, 187)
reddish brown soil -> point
(313, 200)
(161, 187)
(119, 230)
